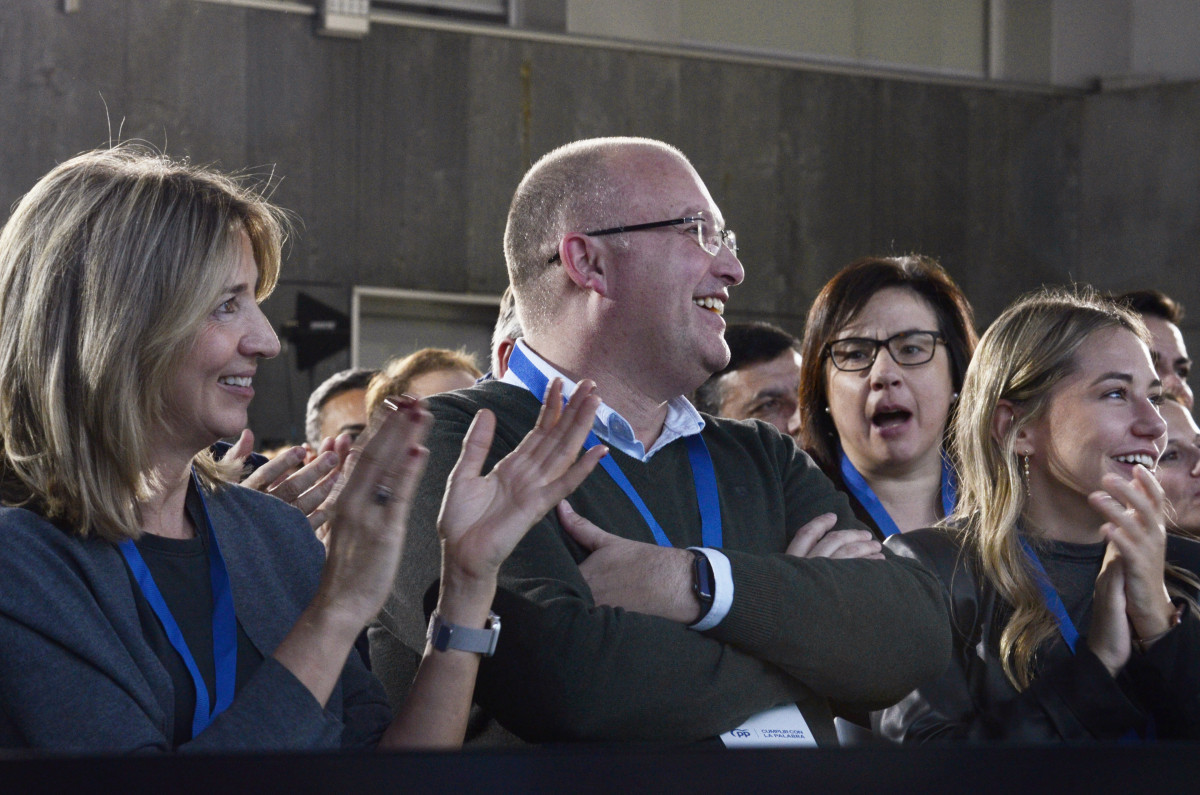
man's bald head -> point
(574, 188)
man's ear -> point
(503, 351)
(1003, 417)
(582, 259)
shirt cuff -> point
(722, 589)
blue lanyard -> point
(1070, 634)
(863, 492)
(224, 623)
(703, 474)
(1054, 603)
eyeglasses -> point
(907, 349)
(708, 236)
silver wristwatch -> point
(444, 635)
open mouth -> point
(715, 305)
(235, 380)
(1136, 458)
(890, 419)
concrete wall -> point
(1140, 184)
(1084, 43)
(1070, 43)
(399, 153)
(927, 35)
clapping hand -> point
(369, 507)
(286, 476)
(1133, 563)
(368, 514)
(483, 517)
(1109, 635)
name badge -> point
(778, 727)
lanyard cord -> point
(862, 491)
(703, 473)
(1066, 627)
(1054, 602)
(224, 623)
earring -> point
(1025, 472)
(827, 410)
(953, 398)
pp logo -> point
(741, 733)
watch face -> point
(441, 638)
(702, 582)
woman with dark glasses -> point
(885, 348)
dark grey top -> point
(1072, 697)
(76, 670)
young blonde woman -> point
(148, 604)
(1072, 608)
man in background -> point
(1162, 316)
(761, 381)
(338, 405)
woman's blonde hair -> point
(108, 267)
(1021, 358)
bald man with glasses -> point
(694, 588)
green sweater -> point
(860, 632)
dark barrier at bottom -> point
(1161, 768)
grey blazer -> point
(76, 673)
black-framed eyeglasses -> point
(907, 349)
(708, 236)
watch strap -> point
(444, 636)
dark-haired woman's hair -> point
(840, 301)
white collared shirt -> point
(614, 430)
